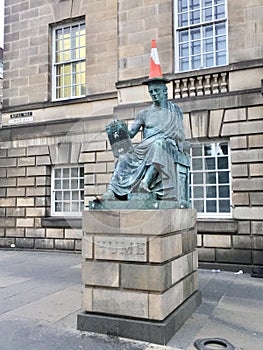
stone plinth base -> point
(158, 332)
(139, 266)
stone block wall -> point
(139, 23)
(25, 200)
(245, 41)
(27, 51)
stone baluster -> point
(185, 88)
(177, 90)
(199, 87)
(207, 86)
(192, 88)
(215, 85)
(223, 85)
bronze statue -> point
(149, 167)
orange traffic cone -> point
(155, 67)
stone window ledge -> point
(61, 222)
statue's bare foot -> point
(143, 187)
(108, 195)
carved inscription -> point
(121, 248)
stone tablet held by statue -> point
(119, 138)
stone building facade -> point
(72, 66)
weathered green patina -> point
(155, 172)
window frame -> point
(55, 213)
(201, 25)
(69, 63)
(206, 214)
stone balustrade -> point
(201, 85)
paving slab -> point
(40, 299)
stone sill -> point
(61, 222)
(37, 105)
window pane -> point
(221, 58)
(197, 164)
(75, 195)
(184, 64)
(221, 43)
(210, 163)
(211, 191)
(66, 207)
(183, 19)
(220, 29)
(224, 192)
(223, 148)
(209, 47)
(58, 207)
(75, 206)
(66, 184)
(195, 34)
(66, 172)
(224, 206)
(74, 172)
(198, 178)
(57, 173)
(196, 151)
(209, 150)
(194, 4)
(183, 36)
(209, 60)
(223, 177)
(66, 195)
(211, 178)
(219, 11)
(198, 192)
(58, 196)
(74, 183)
(211, 206)
(57, 184)
(199, 206)
(195, 17)
(222, 163)
(183, 50)
(207, 14)
(208, 31)
(196, 47)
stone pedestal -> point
(139, 272)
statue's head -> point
(158, 91)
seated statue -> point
(149, 167)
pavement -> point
(40, 299)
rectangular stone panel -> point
(146, 277)
(96, 273)
(217, 241)
(123, 303)
(120, 248)
(165, 248)
(182, 267)
(161, 305)
(190, 285)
